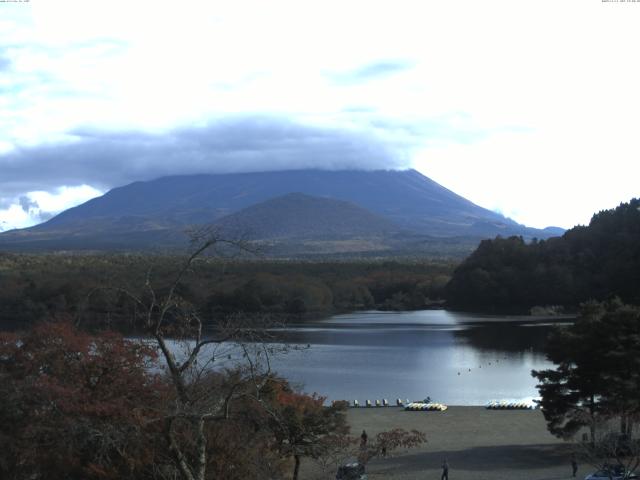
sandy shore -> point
(478, 444)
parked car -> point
(351, 471)
(613, 472)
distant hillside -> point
(594, 262)
(300, 216)
(154, 214)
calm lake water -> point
(455, 358)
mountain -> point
(300, 216)
(151, 214)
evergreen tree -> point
(597, 376)
(595, 262)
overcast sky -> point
(530, 108)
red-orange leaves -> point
(300, 422)
(74, 404)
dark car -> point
(351, 471)
(611, 472)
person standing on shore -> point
(363, 439)
(574, 465)
(445, 470)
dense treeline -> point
(599, 261)
(91, 287)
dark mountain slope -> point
(154, 214)
(299, 216)
(407, 198)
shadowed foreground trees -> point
(80, 406)
(596, 382)
(302, 425)
(77, 406)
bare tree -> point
(615, 453)
(190, 354)
(339, 449)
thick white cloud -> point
(529, 108)
(38, 206)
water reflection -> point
(507, 337)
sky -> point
(529, 108)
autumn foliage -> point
(300, 422)
(80, 406)
(74, 405)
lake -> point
(455, 358)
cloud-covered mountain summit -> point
(154, 214)
(239, 144)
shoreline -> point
(482, 406)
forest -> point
(595, 262)
(90, 287)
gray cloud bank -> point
(107, 159)
(27, 204)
